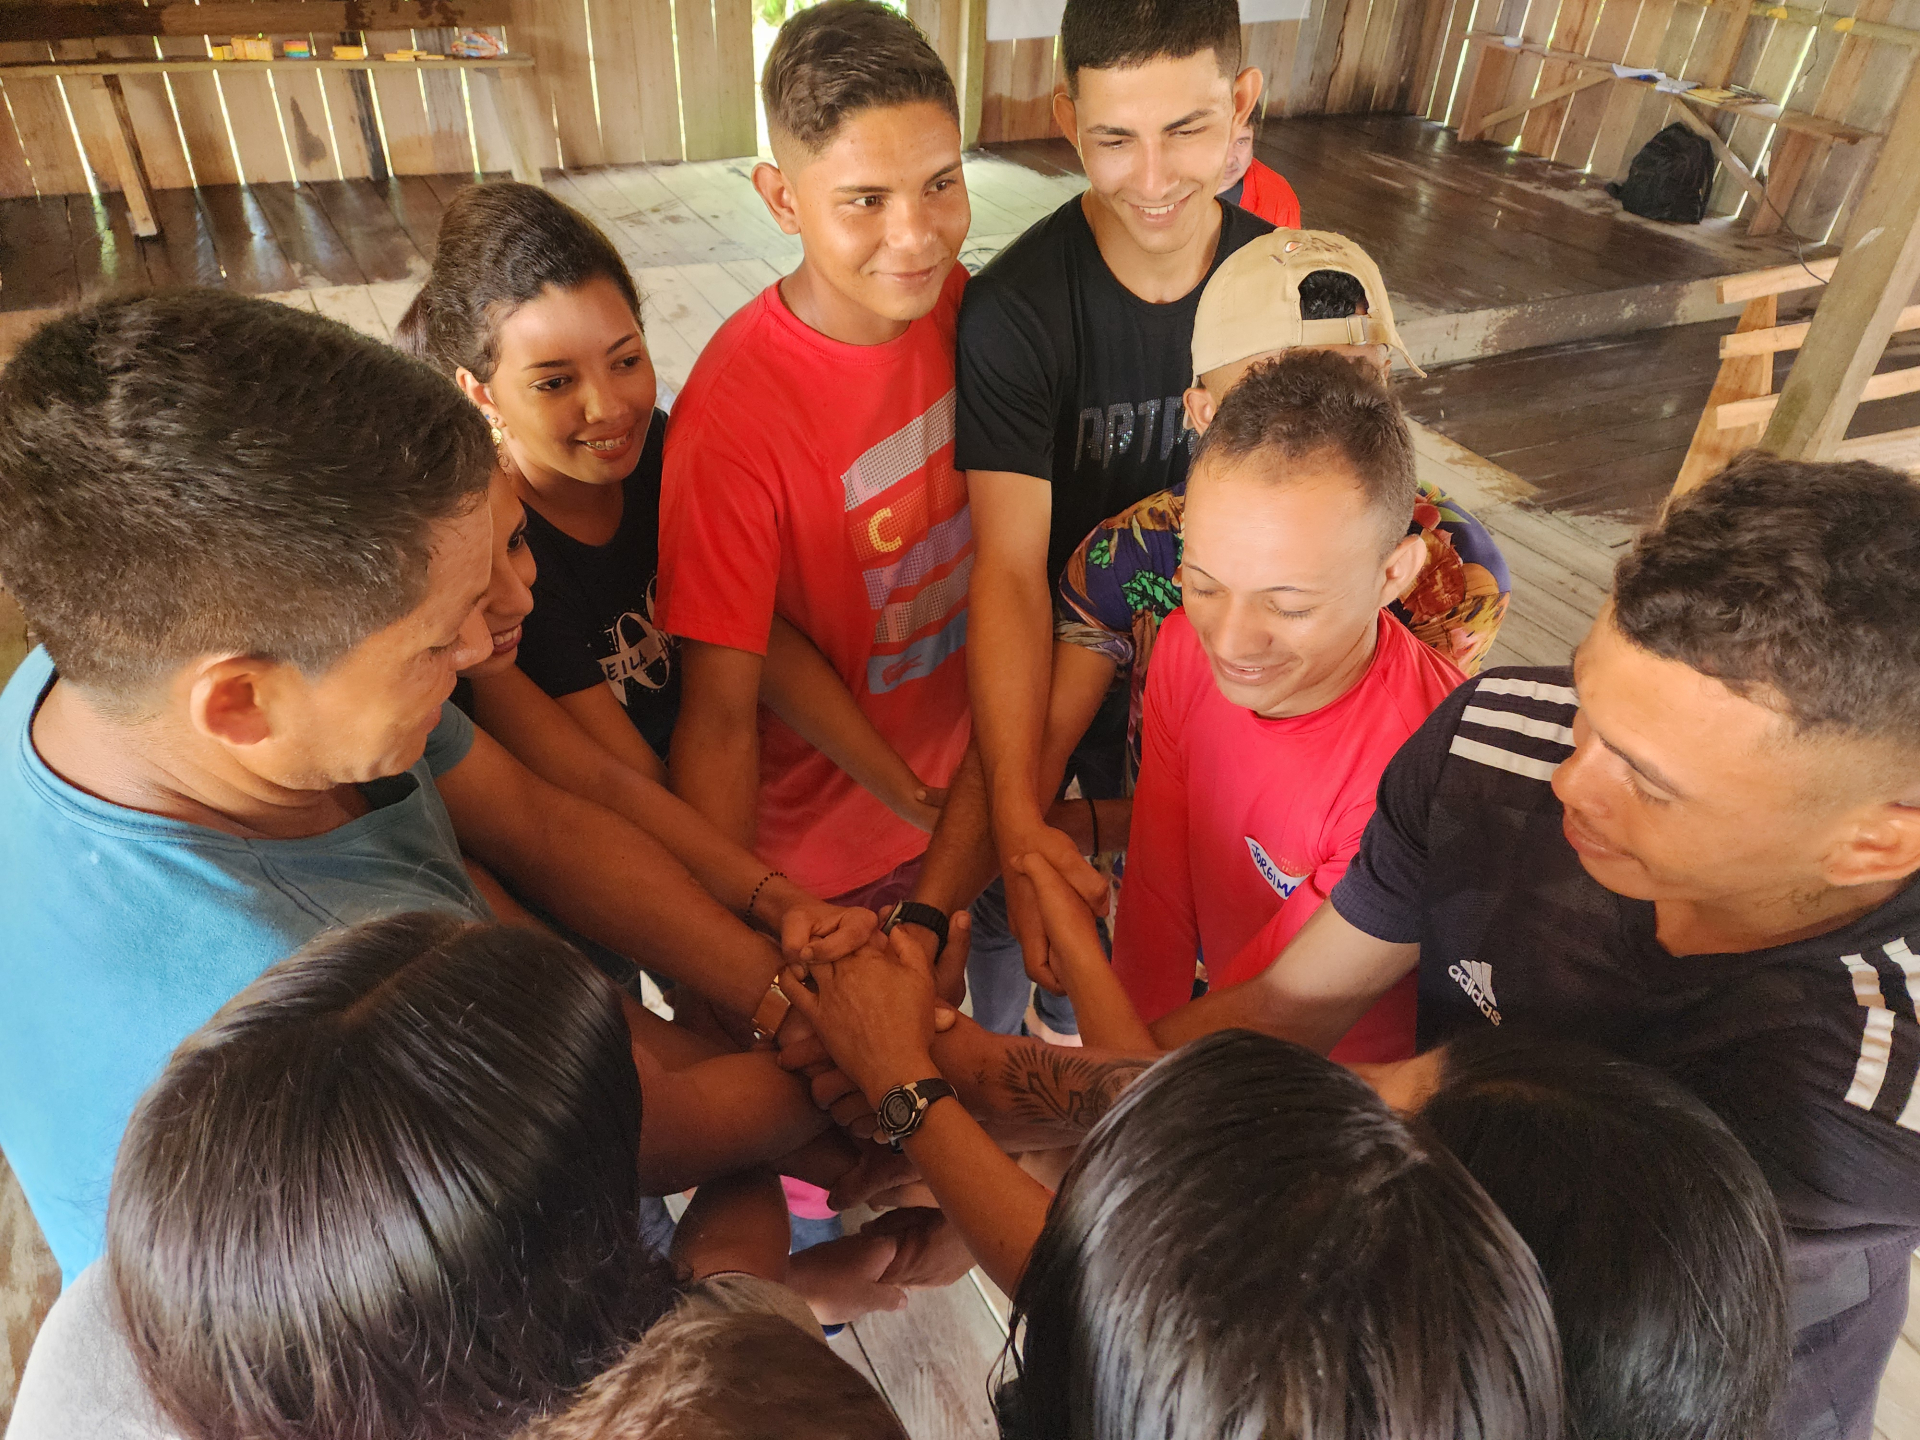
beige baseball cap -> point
(1252, 303)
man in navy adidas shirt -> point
(1696, 848)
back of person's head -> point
(1793, 583)
(725, 1377)
(193, 472)
(1251, 1243)
(1123, 34)
(501, 245)
(389, 1190)
(1331, 295)
(1311, 402)
(834, 60)
(1658, 1236)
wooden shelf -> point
(156, 67)
(1755, 109)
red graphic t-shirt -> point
(1268, 813)
(815, 479)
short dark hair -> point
(1331, 295)
(725, 1377)
(391, 1188)
(194, 472)
(1793, 579)
(500, 245)
(1121, 34)
(1252, 1243)
(1303, 402)
(833, 60)
(1658, 1235)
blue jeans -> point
(997, 975)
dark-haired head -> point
(390, 1189)
(1124, 34)
(832, 61)
(193, 473)
(1749, 730)
(1795, 581)
(1656, 1231)
(1308, 402)
(531, 310)
(1252, 1243)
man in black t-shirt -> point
(1072, 358)
(1696, 847)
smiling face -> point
(509, 597)
(882, 210)
(573, 385)
(1283, 575)
(1154, 141)
(1680, 789)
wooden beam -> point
(1883, 386)
(973, 71)
(174, 67)
(181, 17)
(1776, 280)
(1739, 379)
(1879, 264)
(513, 101)
(1545, 97)
(125, 151)
(1792, 337)
(1720, 148)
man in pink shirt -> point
(1280, 689)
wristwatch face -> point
(897, 1109)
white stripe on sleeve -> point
(1502, 759)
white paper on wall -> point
(1038, 19)
(1023, 19)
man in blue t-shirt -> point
(252, 546)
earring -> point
(493, 429)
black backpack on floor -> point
(1669, 178)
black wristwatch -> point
(905, 1106)
(927, 917)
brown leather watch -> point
(771, 1014)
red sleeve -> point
(719, 538)
(1267, 194)
(1156, 935)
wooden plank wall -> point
(609, 83)
(1809, 181)
(1347, 56)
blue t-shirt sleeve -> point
(1381, 891)
(450, 741)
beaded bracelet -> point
(754, 898)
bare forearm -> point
(960, 861)
(736, 1223)
(720, 1116)
(799, 686)
(612, 882)
(1033, 1095)
(1009, 658)
(997, 1207)
(715, 768)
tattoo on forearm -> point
(1052, 1084)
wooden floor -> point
(1599, 427)
(1563, 451)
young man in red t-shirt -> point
(1280, 689)
(809, 468)
(1256, 188)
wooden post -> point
(513, 98)
(1878, 265)
(1741, 377)
(126, 155)
(972, 78)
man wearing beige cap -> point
(1285, 291)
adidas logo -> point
(1476, 978)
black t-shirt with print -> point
(1808, 1051)
(592, 621)
(1066, 374)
